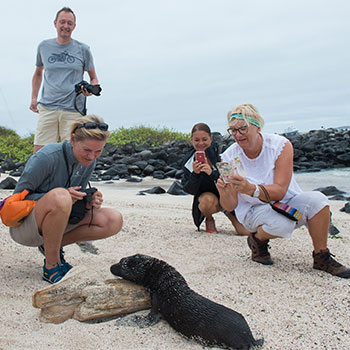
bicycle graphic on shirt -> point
(61, 57)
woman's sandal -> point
(55, 274)
(68, 266)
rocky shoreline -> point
(313, 151)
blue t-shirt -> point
(64, 66)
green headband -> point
(248, 118)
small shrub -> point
(4, 132)
(16, 147)
(144, 135)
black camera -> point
(92, 89)
(89, 192)
(79, 207)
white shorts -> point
(53, 124)
(309, 203)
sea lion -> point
(189, 313)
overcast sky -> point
(174, 63)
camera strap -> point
(64, 149)
(84, 111)
(64, 145)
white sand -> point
(291, 305)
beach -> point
(289, 304)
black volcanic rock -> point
(148, 170)
(177, 189)
(313, 151)
(133, 179)
(153, 190)
(8, 184)
(159, 174)
(8, 164)
(329, 190)
(346, 208)
(333, 230)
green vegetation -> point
(4, 132)
(12, 145)
(143, 135)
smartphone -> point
(200, 156)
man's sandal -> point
(55, 274)
(63, 261)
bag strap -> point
(266, 194)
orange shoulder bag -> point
(14, 209)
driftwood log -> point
(82, 296)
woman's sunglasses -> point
(91, 125)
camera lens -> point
(95, 89)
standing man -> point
(63, 61)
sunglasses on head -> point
(91, 125)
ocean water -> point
(339, 178)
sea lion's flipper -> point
(154, 316)
(143, 321)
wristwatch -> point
(256, 192)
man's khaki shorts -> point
(53, 124)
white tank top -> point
(260, 170)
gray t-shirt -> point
(64, 66)
(47, 169)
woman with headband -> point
(55, 178)
(268, 163)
